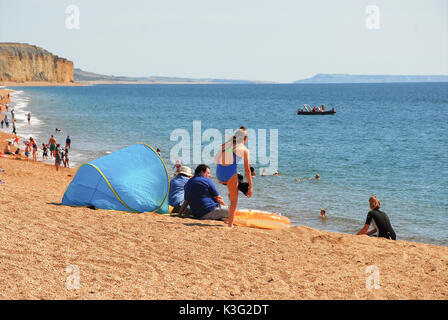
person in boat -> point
(322, 108)
(380, 220)
(314, 109)
(226, 161)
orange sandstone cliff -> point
(21, 62)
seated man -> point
(176, 196)
(203, 197)
(7, 149)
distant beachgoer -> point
(68, 142)
(29, 118)
(252, 172)
(7, 149)
(6, 121)
(34, 147)
(380, 220)
(323, 214)
(275, 173)
(44, 152)
(159, 151)
(178, 165)
(52, 142)
(58, 130)
(263, 173)
(17, 151)
(65, 159)
(14, 128)
(317, 177)
(176, 196)
(2, 123)
(27, 149)
(57, 157)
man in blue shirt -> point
(203, 196)
(176, 196)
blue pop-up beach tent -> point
(132, 179)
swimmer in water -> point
(317, 177)
(323, 214)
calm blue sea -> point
(385, 139)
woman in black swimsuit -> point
(380, 220)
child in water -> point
(323, 215)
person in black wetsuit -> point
(380, 220)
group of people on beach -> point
(4, 120)
(196, 194)
(60, 155)
(54, 149)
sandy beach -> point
(115, 255)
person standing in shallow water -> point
(52, 142)
(380, 220)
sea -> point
(388, 140)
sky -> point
(280, 41)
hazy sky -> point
(281, 40)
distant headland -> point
(22, 64)
(351, 78)
(82, 76)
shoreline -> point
(75, 165)
(6, 136)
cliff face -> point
(23, 62)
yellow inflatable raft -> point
(260, 219)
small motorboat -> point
(318, 110)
